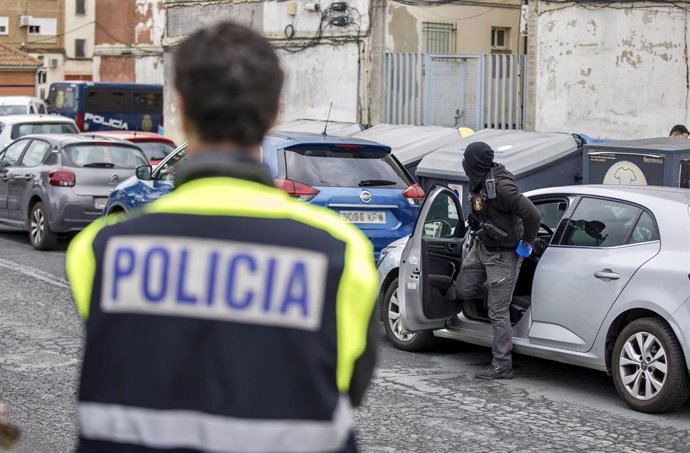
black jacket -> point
(510, 211)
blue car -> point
(359, 179)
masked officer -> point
(505, 224)
(226, 316)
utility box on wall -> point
(650, 162)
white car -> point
(607, 287)
(14, 126)
(21, 105)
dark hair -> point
(229, 79)
(679, 129)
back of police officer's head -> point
(229, 80)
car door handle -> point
(607, 274)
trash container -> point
(537, 159)
(409, 144)
(660, 161)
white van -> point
(21, 105)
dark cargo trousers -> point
(500, 270)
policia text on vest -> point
(223, 327)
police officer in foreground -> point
(504, 224)
(225, 316)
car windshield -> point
(20, 130)
(104, 156)
(328, 167)
(155, 150)
(12, 109)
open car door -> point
(430, 261)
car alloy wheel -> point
(393, 319)
(643, 366)
(38, 224)
(390, 314)
(648, 366)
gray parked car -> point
(52, 184)
(608, 286)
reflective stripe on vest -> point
(214, 433)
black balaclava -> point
(478, 161)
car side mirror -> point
(144, 172)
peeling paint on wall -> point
(627, 79)
(402, 28)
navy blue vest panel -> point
(91, 446)
(221, 367)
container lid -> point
(643, 146)
(521, 152)
(411, 143)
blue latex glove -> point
(524, 250)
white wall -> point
(611, 73)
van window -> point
(63, 99)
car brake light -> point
(414, 194)
(61, 178)
(297, 189)
(80, 121)
(346, 146)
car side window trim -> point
(576, 204)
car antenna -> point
(325, 127)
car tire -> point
(648, 368)
(411, 341)
(40, 234)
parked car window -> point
(105, 156)
(42, 109)
(600, 223)
(344, 168)
(645, 230)
(20, 130)
(12, 109)
(12, 153)
(155, 150)
(35, 153)
(442, 219)
(552, 212)
(167, 170)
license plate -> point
(99, 202)
(363, 216)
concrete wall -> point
(335, 69)
(473, 25)
(611, 73)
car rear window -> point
(155, 150)
(327, 167)
(20, 130)
(104, 156)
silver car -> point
(52, 184)
(608, 287)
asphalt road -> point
(425, 402)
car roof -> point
(63, 140)
(132, 136)
(17, 119)
(646, 195)
(15, 99)
(285, 139)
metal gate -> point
(475, 91)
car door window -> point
(551, 212)
(167, 169)
(35, 154)
(645, 230)
(12, 153)
(443, 218)
(600, 223)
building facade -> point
(128, 41)
(615, 71)
(17, 72)
(79, 39)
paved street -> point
(418, 403)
